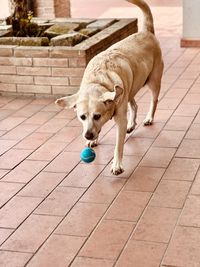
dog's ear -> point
(113, 96)
(118, 92)
(67, 101)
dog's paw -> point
(117, 169)
(130, 129)
(148, 121)
(92, 143)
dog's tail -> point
(148, 18)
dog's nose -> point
(89, 135)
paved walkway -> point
(57, 211)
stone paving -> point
(57, 211)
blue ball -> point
(88, 155)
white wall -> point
(4, 10)
(191, 19)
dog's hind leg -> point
(150, 115)
(132, 116)
(154, 84)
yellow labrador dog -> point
(112, 79)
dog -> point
(111, 80)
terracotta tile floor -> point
(57, 211)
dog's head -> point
(93, 109)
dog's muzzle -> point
(89, 135)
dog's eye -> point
(96, 117)
(83, 117)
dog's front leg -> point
(121, 124)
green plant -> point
(21, 20)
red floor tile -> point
(2, 133)
(6, 99)
(17, 210)
(89, 262)
(4, 234)
(162, 115)
(83, 175)
(76, 145)
(33, 141)
(20, 132)
(67, 134)
(42, 184)
(137, 146)
(10, 123)
(183, 83)
(13, 157)
(183, 249)
(11, 258)
(189, 149)
(144, 179)
(28, 111)
(25, 171)
(50, 256)
(158, 157)
(186, 110)
(128, 206)
(170, 194)
(60, 201)
(169, 139)
(135, 251)
(195, 190)
(82, 219)
(180, 93)
(108, 240)
(66, 114)
(3, 173)
(25, 238)
(182, 169)
(178, 123)
(52, 107)
(64, 162)
(103, 190)
(17, 103)
(148, 131)
(47, 151)
(52, 126)
(193, 132)
(40, 117)
(192, 99)
(5, 145)
(169, 103)
(8, 190)
(190, 215)
(42, 101)
(157, 224)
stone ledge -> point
(67, 30)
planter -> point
(56, 70)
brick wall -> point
(52, 8)
(25, 70)
(54, 70)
